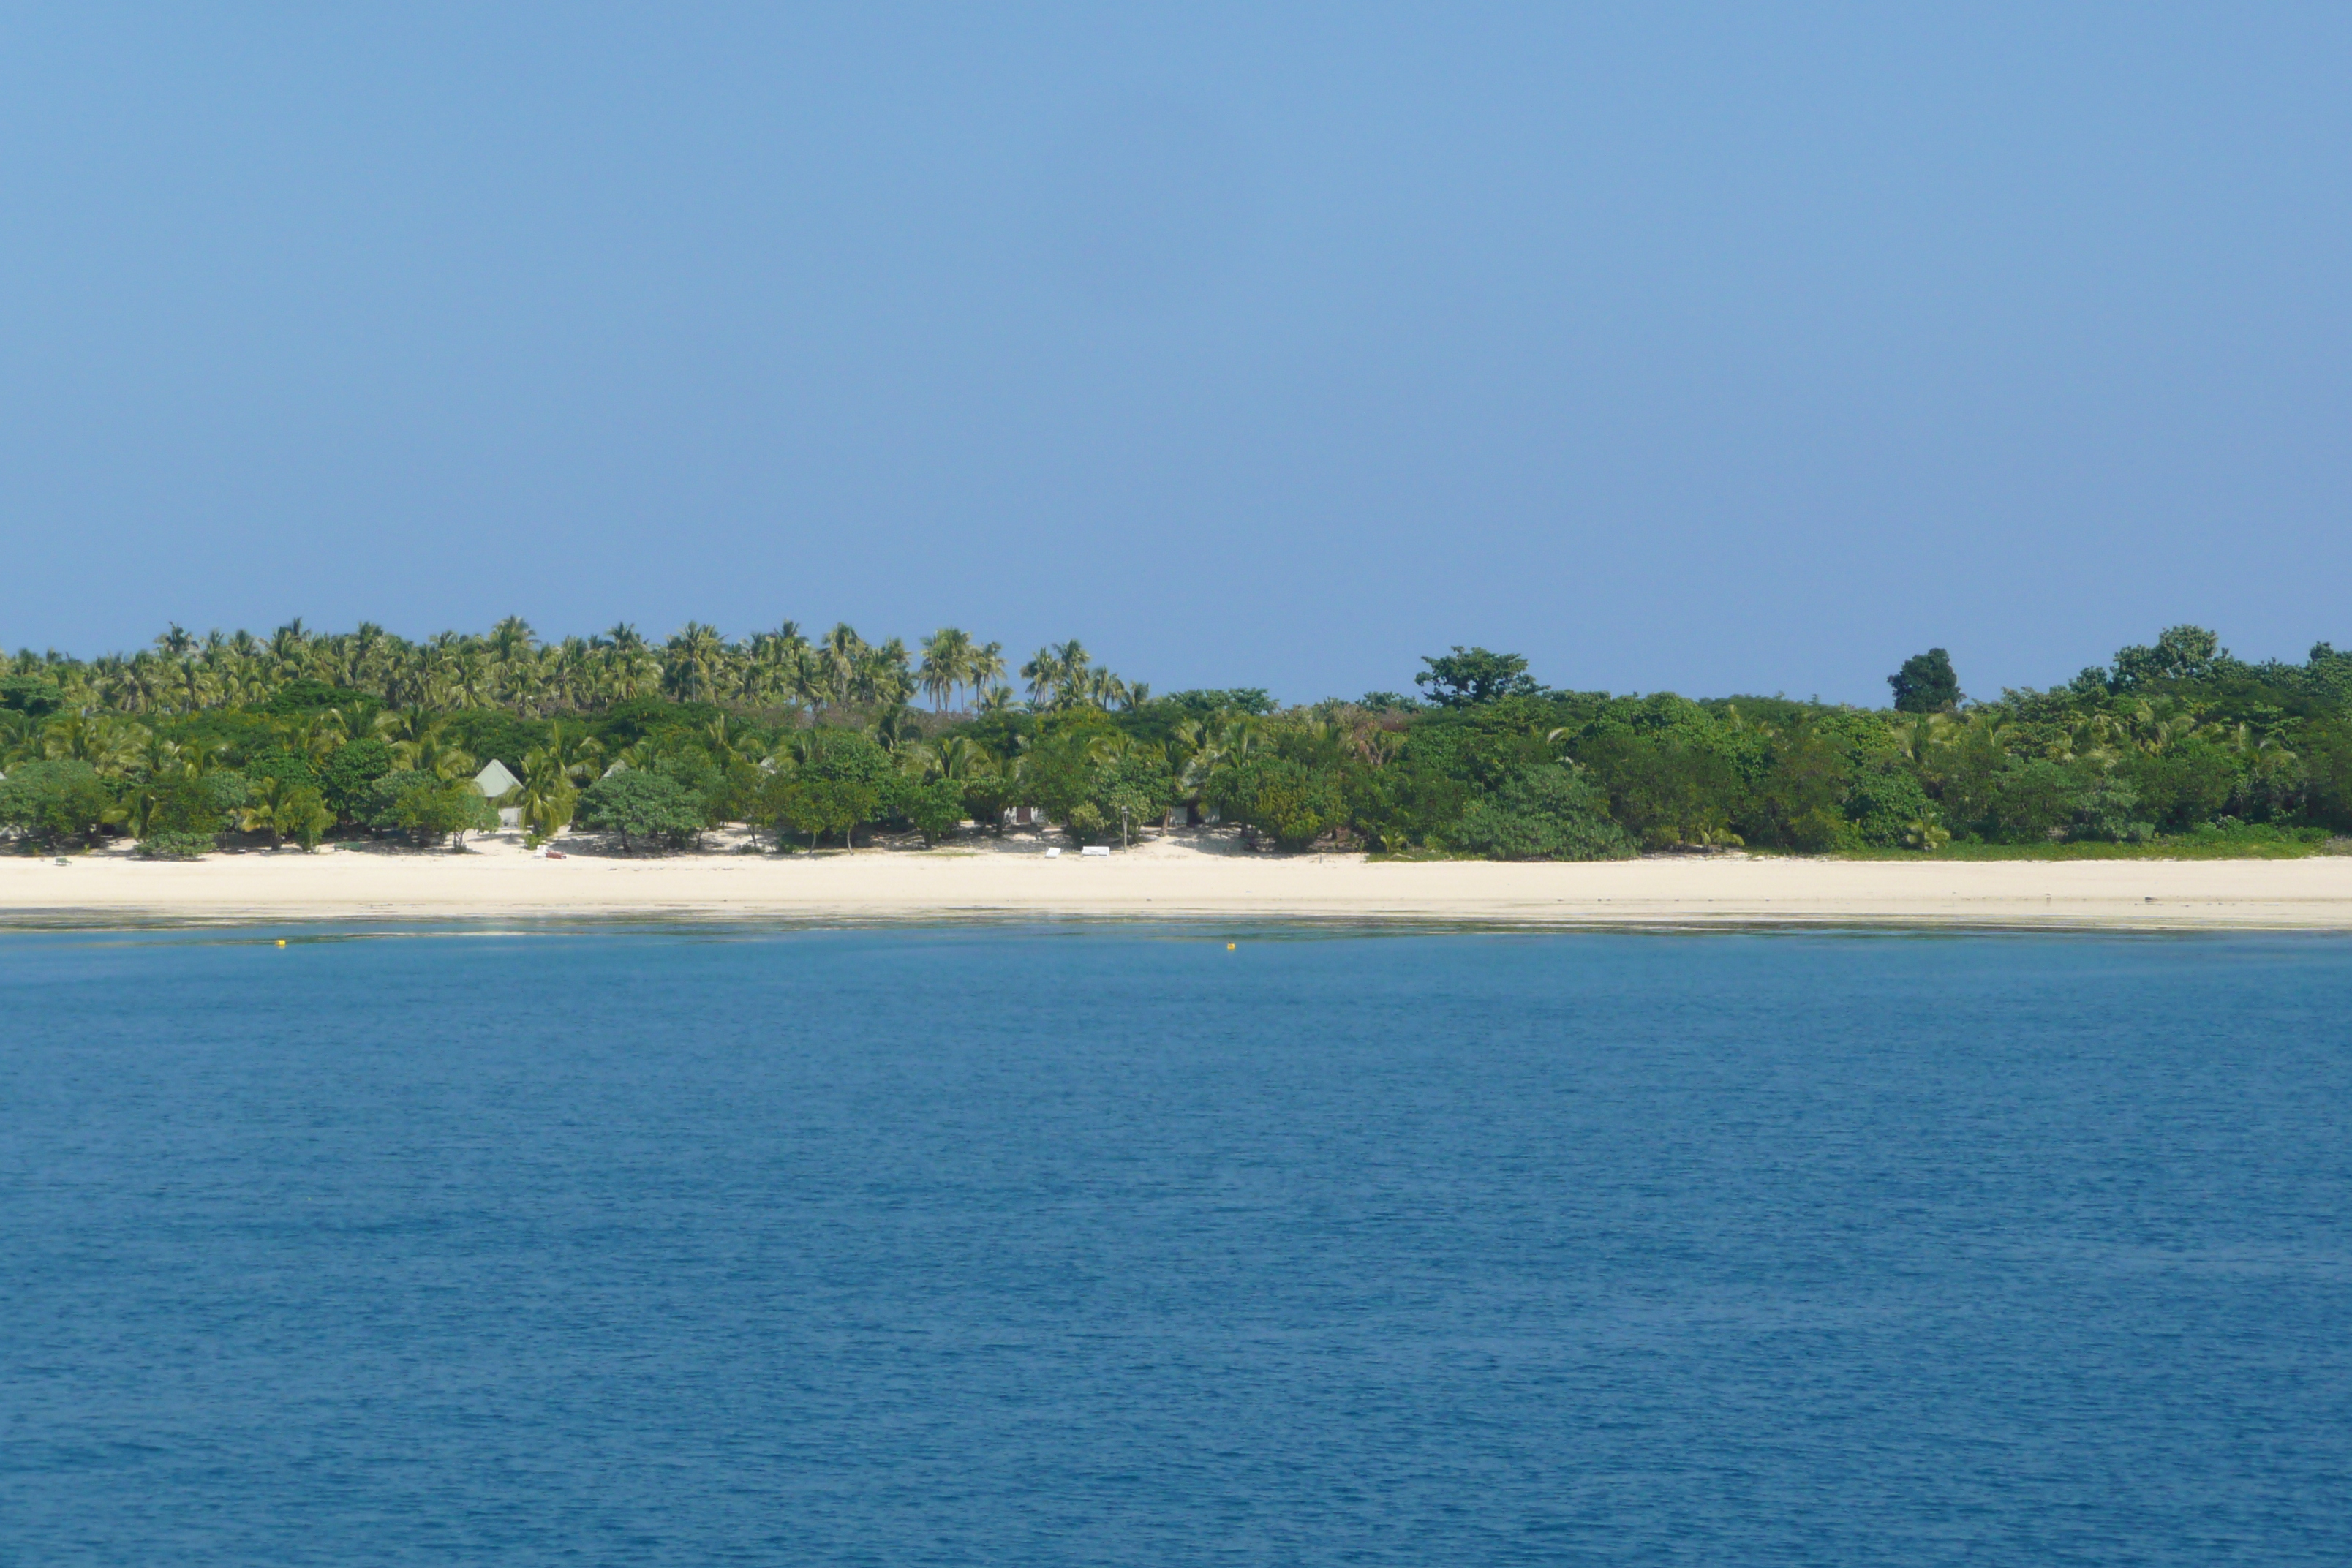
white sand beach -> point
(1194, 875)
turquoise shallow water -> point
(1057, 1247)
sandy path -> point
(1176, 880)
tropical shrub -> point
(1888, 806)
(2034, 801)
(203, 805)
(171, 845)
(2109, 809)
(1548, 812)
(277, 763)
(1285, 801)
(2183, 786)
(1798, 800)
(1666, 789)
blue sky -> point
(1749, 348)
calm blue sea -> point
(1043, 1246)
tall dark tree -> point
(1467, 678)
(1926, 684)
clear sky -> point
(1749, 348)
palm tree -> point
(727, 743)
(109, 745)
(960, 757)
(1043, 675)
(20, 738)
(894, 726)
(842, 652)
(775, 664)
(947, 664)
(160, 757)
(984, 666)
(513, 637)
(288, 646)
(549, 791)
(692, 660)
(886, 677)
(429, 750)
(285, 811)
(1099, 687)
(194, 686)
(632, 671)
(569, 754)
(465, 677)
(315, 737)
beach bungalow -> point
(494, 781)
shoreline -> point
(1191, 877)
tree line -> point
(811, 740)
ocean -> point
(1131, 1246)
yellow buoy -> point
(281, 941)
(1229, 947)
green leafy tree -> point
(932, 807)
(703, 780)
(431, 809)
(1469, 677)
(1208, 704)
(378, 806)
(1926, 684)
(643, 807)
(2180, 653)
(836, 783)
(2110, 809)
(807, 802)
(52, 802)
(34, 696)
(343, 779)
(987, 797)
(282, 764)
(1057, 775)
(1133, 788)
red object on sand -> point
(555, 855)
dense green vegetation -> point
(2176, 747)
